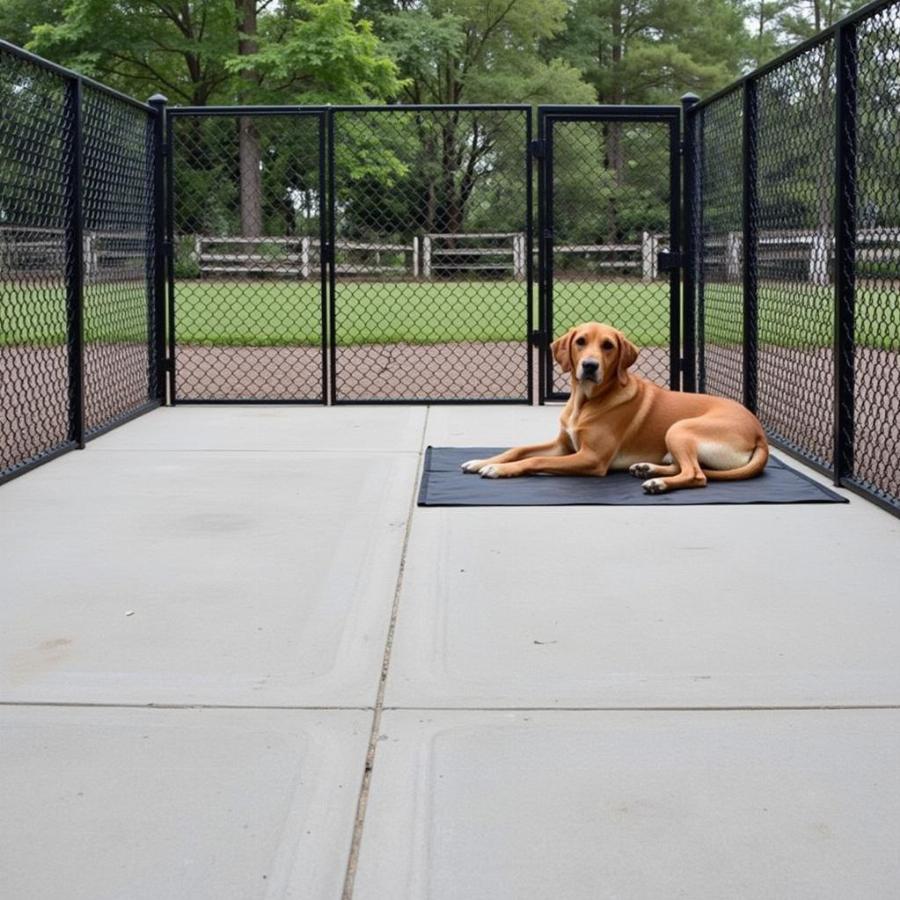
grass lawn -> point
(275, 313)
(281, 313)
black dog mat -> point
(445, 484)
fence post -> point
(845, 252)
(689, 245)
(74, 243)
(90, 255)
(426, 256)
(158, 302)
(646, 256)
(304, 258)
(415, 256)
(749, 241)
(519, 256)
(733, 256)
(818, 257)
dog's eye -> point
(580, 341)
(607, 345)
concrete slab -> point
(104, 804)
(491, 426)
(264, 579)
(595, 805)
(391, 429)
(620, 607)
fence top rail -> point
(611, 109)
(282, 110)
(434, 107)
(599, 248)
(56, 69)
(236, 239)
(454, 235)
(260, 110)
(865, 12)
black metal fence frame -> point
(843, 34)
(73, 175)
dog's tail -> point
(750, 469)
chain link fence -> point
(720, 316)
(797, 249)
(120, 364)
(247, 216)
(77, 260)
(431, 284)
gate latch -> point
(666, 261)
(538, 339)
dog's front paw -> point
(473, 465)
(498, 470)
(654, 486)
(640, 470)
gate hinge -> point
(666, 261)
(538, 339)
(328, 252)
(538, 148)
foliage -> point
(251, 179)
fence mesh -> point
(120, 372)
(795, 227)
(431, 255)
(720, 315)
(877, 319)
(247, 257)
(610, 193)
(34, 373)
(69, 147)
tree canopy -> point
(442, 173)
(440, 51)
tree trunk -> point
(449, 170)
(251, 179)
(248, 136)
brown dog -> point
(616, 420)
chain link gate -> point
(431, 236)
(247, 266)
(609, 250)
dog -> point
(616, 420)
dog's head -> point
(595, 353)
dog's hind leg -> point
(683, 445)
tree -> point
(227, 51)
(470, 51)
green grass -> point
(281, 313)
(277, 313)
(803, 317)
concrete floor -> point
(593, 702)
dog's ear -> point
(562, 350)
(628, 353)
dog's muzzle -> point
(589, 370)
